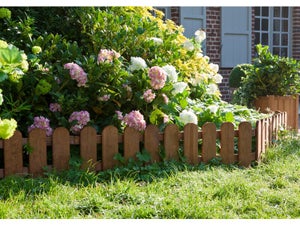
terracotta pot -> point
(289, 104)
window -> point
(272, 28)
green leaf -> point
(10, 55)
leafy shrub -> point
(236, 75)
(268, 75)
(124, 67)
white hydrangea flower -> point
(213, 108)
(214, 67)
(212, 89)
(156, 40)
(188, 45)
(218, 78)
(188, 116)
(179, 87)
(171, 73)
(200, 36)
(137, 63)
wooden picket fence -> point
(199, 145)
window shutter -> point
(236, 36)
(192, 19)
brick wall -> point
(296, 33)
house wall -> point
(213, 41)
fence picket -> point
(151, 142)
(259, 140)
(245, 144)
(61, 149)
(171, 142)
(13, 154)
(88, 147)
(190, 143)
(110, 147)
(38, 156)
(227, 143)
(131, 142)
(209, 136)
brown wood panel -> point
(131, 143)
(88, 147)
(259, 142)
(151, 142)
(227, 143)
(13, 154)
(38, 156)
(171, 142)
(110, 147)
(190, 143)
(244, 144)
(61, 149)
(209, 141)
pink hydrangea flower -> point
(104, 98)
(135, 120)
(55, 107)
(149, 96)
(41, 123)
(81, 118)
(158, 77)
(120, 115)
(107, 56)
(166, 99)
(77, 73)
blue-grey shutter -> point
(235, 36)
(192, 19)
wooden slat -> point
(190, 143)
(110, 147)
(171, 142)
(131, 143)
(259, 141)
(38, 156)
(227, 143)
(13, 154)
(151, 142)
(209, 142)
(244, 144)
(88, 148)
(61, 149)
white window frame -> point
(270, 31)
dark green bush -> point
(236, 75)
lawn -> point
(167, 190)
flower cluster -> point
(77, 73)
(158, 77)
(149, 96)
(41, 123)
(104, 98)
(137, 63)
(107, 56)
(81, 118)
(55, 107)
(133, 119)
(171, 73)
(188, 116)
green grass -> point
(167, 190)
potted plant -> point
(272, 83)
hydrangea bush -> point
(127, 68)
